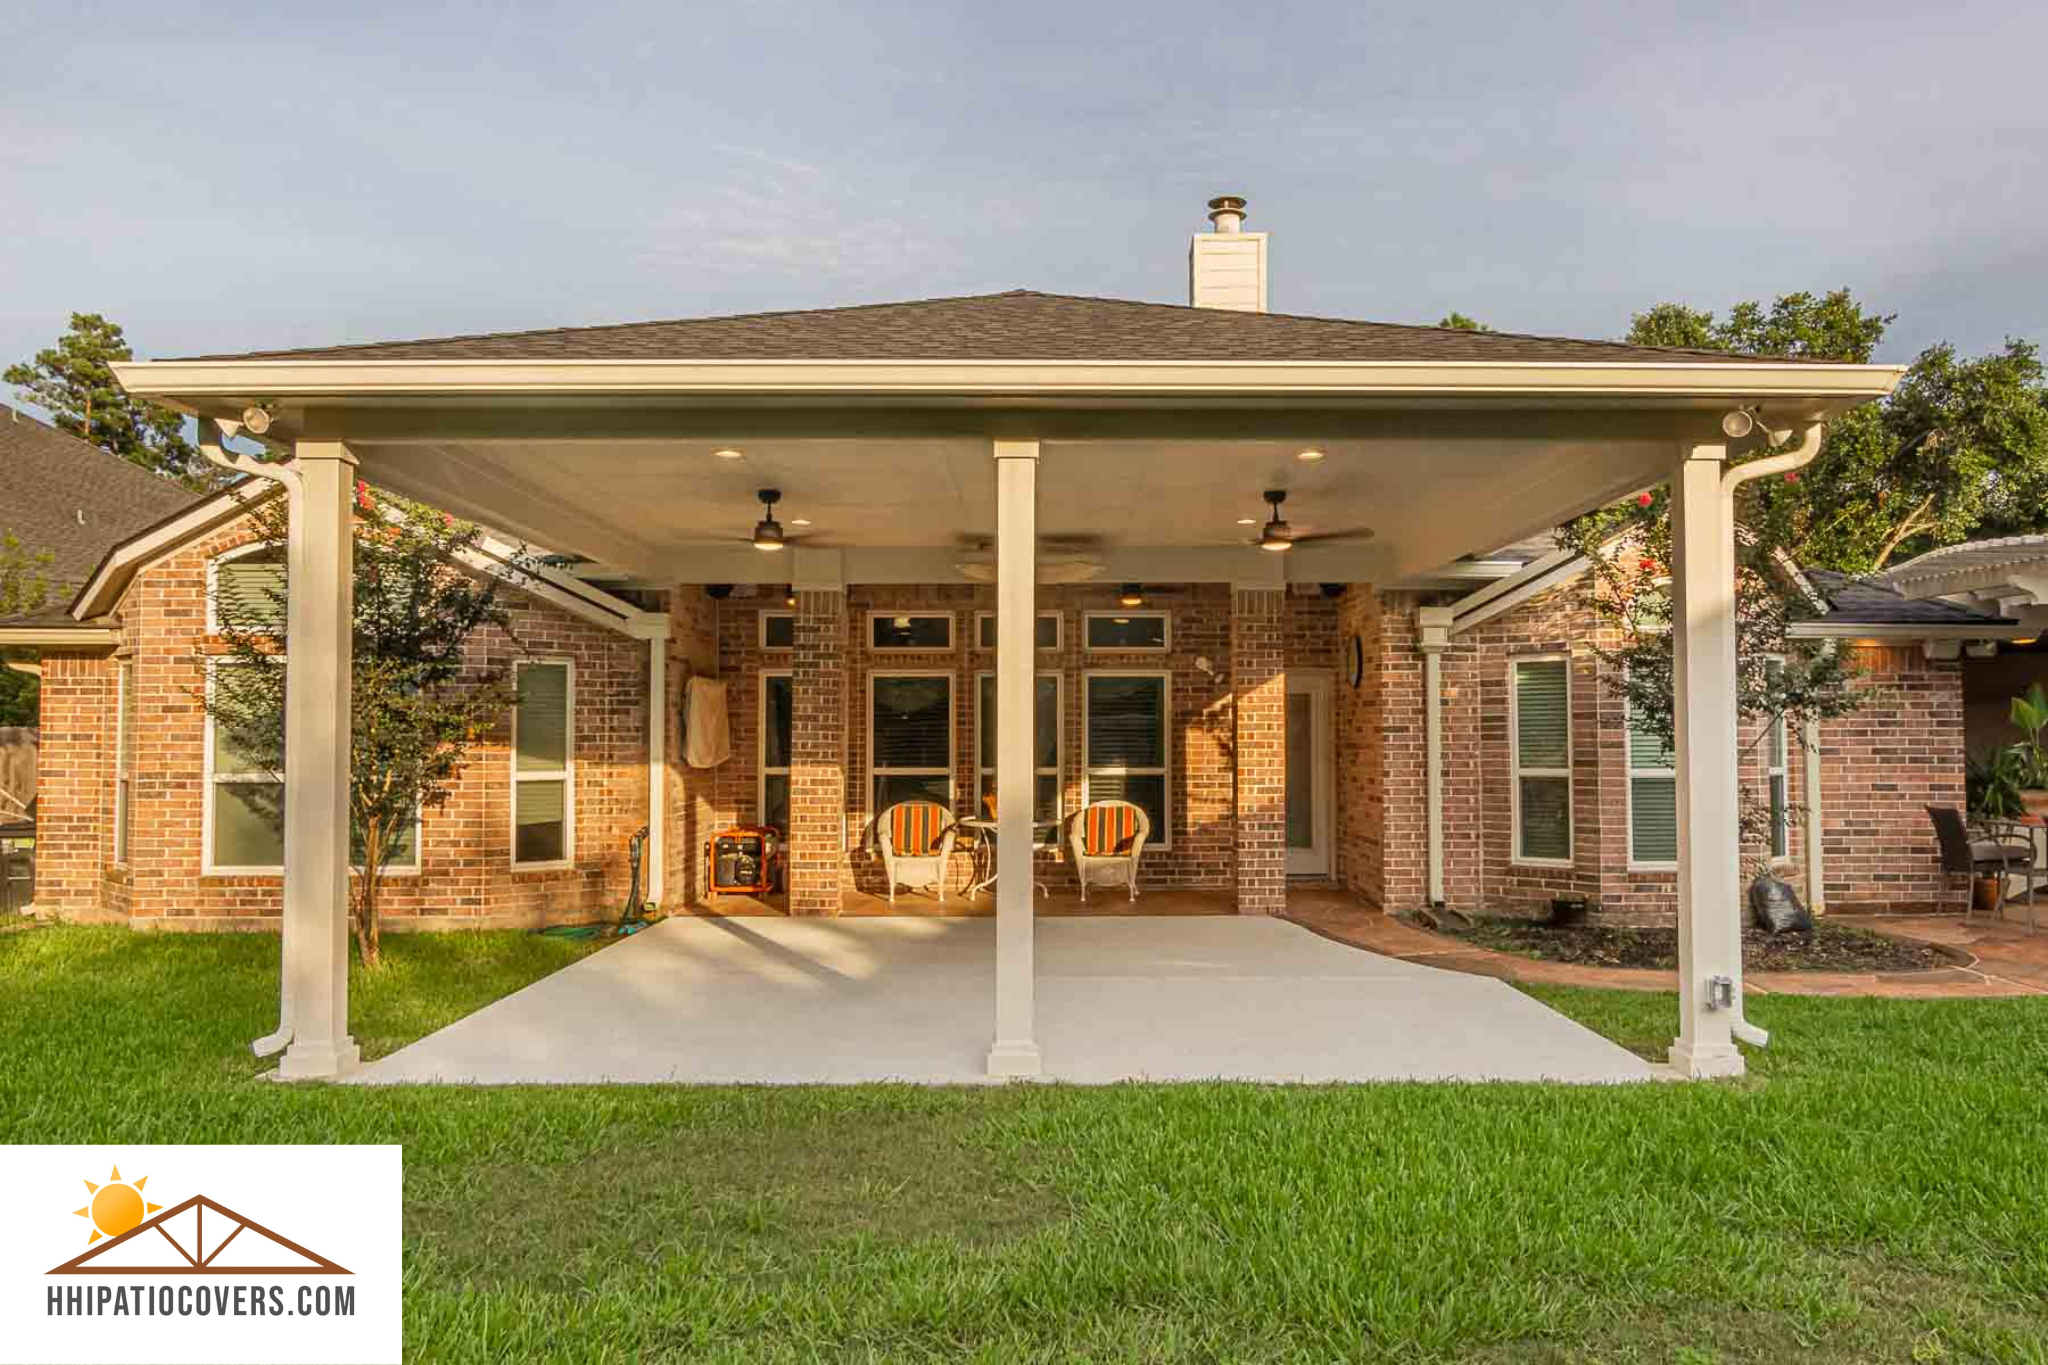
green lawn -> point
(1878, 1190)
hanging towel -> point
(707, 738)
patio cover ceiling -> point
(1159, 428)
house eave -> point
(1905, 633)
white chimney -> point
(1227, 267)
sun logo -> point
(116, 1207)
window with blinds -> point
(543, 723)
(778, 714)
(1124, 716)
(1045, 743)
(910, 738)
(1778, 767)
(248, 591)
(1652, 798)
(1542, 722)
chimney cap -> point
(1226, 211)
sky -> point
(233, 177)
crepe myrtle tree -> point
(1628, 547)
(417, 706)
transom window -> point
(778, 716)
(910, 738)
(1541, 705)
(1045, 630)
(543, 758)
(1147, 631)
(928, 631)
(1045, 745)
(1652, 798)
(1128, 745)
(778, 630)
(246, 589)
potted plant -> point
(2030, 716)
(1996, 782)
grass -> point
(1875, 1190)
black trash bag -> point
(1776, 908)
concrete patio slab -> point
(798, 1001)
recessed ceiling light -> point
(1310, 455)
(799, 521)
(729, 454)
(1247, 521)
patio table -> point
(985, 852)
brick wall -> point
(817, 783)
(1361, 774)
(465, 876)
(1258, 668)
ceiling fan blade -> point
(1355, 535)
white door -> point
(1309, 770)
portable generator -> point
(745, 860)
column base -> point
(1015, 1059)
(319, 1061)
(1707, 1061)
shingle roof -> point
(1865, 602)
(1019, 325)
(70, 498)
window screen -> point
(541, 724)
(910, 752)
(1542, 708)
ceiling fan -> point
(1276, 535)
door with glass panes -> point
(1309, 775)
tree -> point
(417, 706)
(24, 586)
(74, 381)
(1458, 322)
(1795, 327)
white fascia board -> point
(1761, 381)
(103, 590)
(59, 637)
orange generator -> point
(745, 860)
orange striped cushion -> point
(915, 828)
(1108, 830)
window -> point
(1124, 721)
(931, 632)
(543, 796)
(1652, 799)
(778, 630)
(1540, 703)
(1128, 630)
(246, 589)
(1045, 743)
(910, 738)
(1046, 630)
(778, 701)
(124, 758)
(244, 800)
(1777, 756)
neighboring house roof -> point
(1019, 325)
(71, 499)
(1874, 602)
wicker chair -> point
(1987, 848)
(1106, 839)
(916, 840)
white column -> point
(1704, 697)
(316, 766)
(1435, 623)
(657, 767)
(1015, 1050)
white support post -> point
(320, 615)
(1015, 1049)
(1709, 799)
(1435, 623)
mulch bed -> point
(1829, 948)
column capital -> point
(1004, 448)
(1435, 625)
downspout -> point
(1435, 624)
(1739, 424)
(212, 434)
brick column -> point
(817, 772)
(1258, 676)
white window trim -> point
(1059, 631)
(951, 771)
(984, 764)
(1159, 838)
(124, 780)
(212, 781)
(1166, 633)
(1628, 787)
(566, 775)
(213, 577)
(1516, 772)
(761, 631)
(762, 772)
(1778, 765)
(952, 634)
